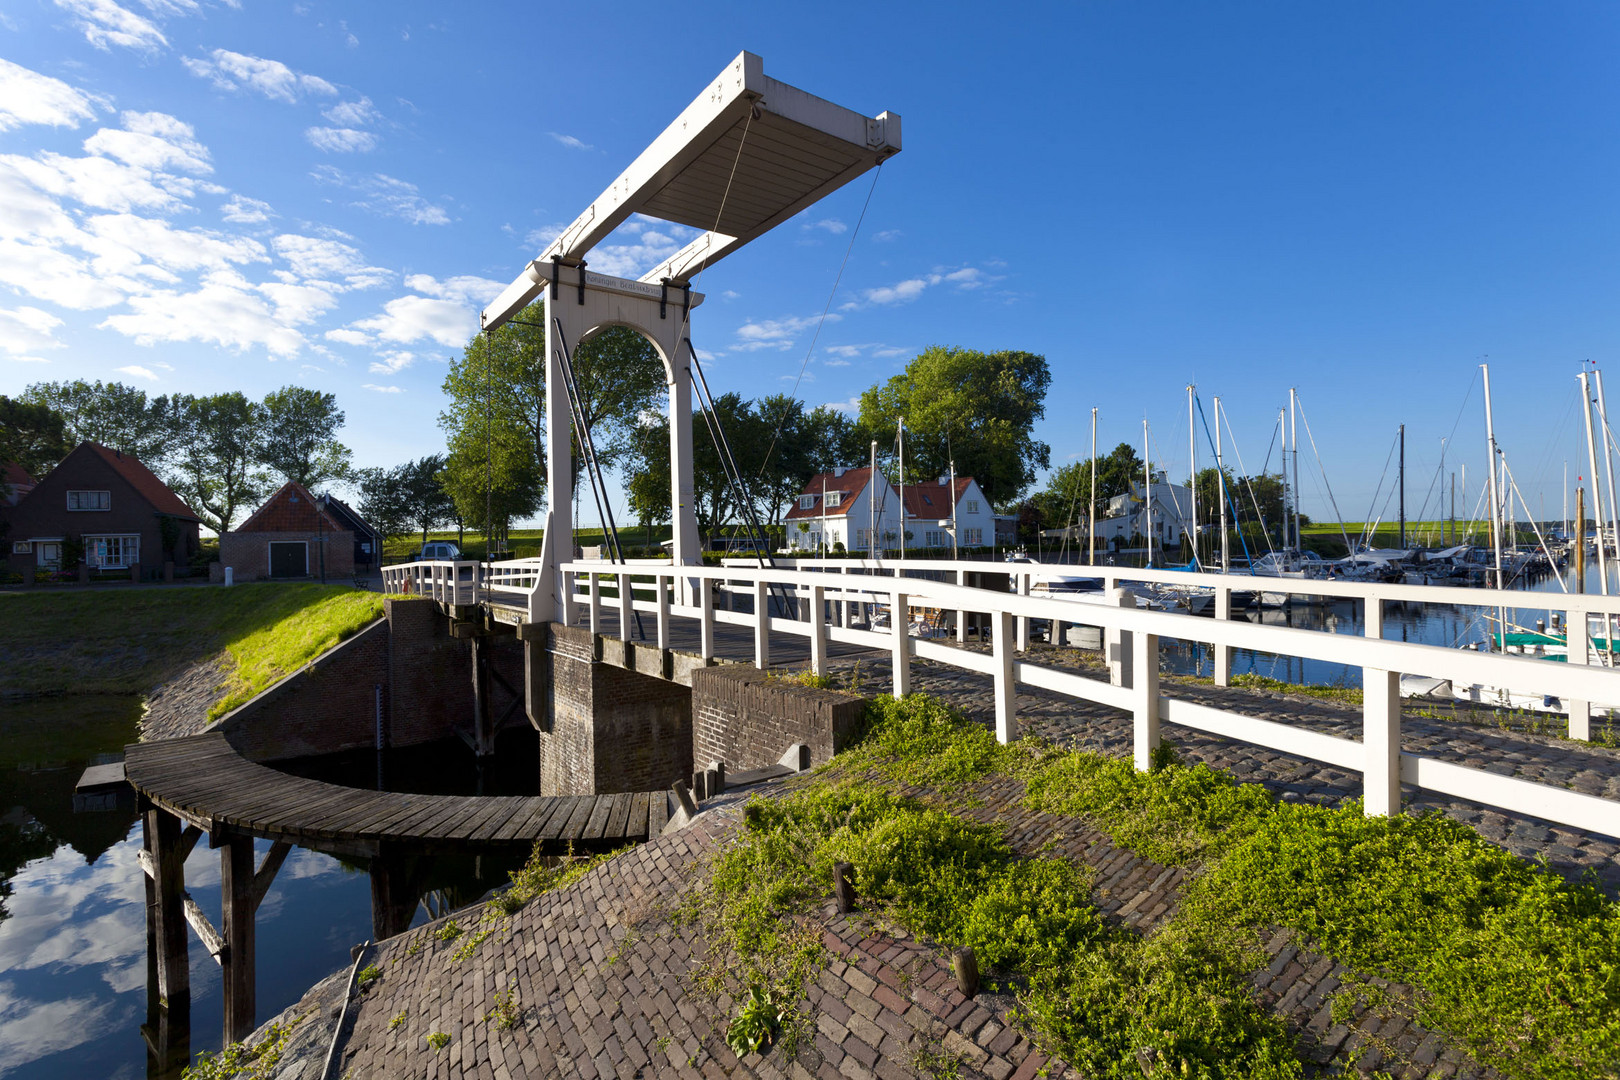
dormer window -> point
(834, 498)
(807, 502)
(89, 500)
(972, 506)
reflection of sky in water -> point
(73, 954)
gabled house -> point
(293, 535)
(1124, 517)
(367, 541)
(837, 507)
(115, 508)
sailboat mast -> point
(1608, 459)
(1192, 485)
(1293, 415)
(1282, 426)
(1091, 515)
(900, 444)
(1591, 458)
(1147, 492)
(1496, 509)
(1402, 474)
(1220, 483)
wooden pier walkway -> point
(205, 782)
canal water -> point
(1425, 624)
(72, 900)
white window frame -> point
(834, 498)
(105, 501)
(22, 547)
(96, 549)
(971, 506)
(807, 502)
(973, 538)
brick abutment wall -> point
(747, 720)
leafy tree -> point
(384, 499)
(32, 435)
(715, 501)
(300, 440)
(216, 464)
(646, 475)
(976, 408)
(115, 415)
(429, 506)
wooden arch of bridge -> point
(201, 786)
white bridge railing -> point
(836, 601)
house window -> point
(22, 547)
(807, 502)
(89, 500)
(932, 539)
(971, 506)
(973, 537)
(112, 552)
(834, 498)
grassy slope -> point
(126, 641)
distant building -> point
(15, 482)
(1125, 518)
(842, 506)
(297, 535)
(109, 503)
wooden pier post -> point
(236, 895)
(166, 894)
(393, 895)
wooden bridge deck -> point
(203, 780)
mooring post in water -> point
(168, 921)
(483, 733)
(167, 1030)
(236, 892)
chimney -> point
(840, 470)
(944, 480)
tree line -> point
(221, 453)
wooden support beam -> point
(210, 938)
(237, 886)
(267, 870)
(167, 923)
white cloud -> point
(275, 80)
(314, 258)
(35, 1029)
(351, 113)
(542, 237)
(832, 225)
(97, 182)
(104, 23)
(967, 277)
(341, 140)
(889, 351)
(152, 141)
(836, 363)
(730, 294)
(845, 351)
(774, 333)
(384, 195)
(296, 305)
(644, 242)
(225, 309)
(124, 242)
(136, 371)
(853, 405)
(242, 210)
(26, 329)
(28, 359)
(392, 363)
(906, 290)
(571, 142)
(467, 288)
(415, 318)
(348, 337)
(886, 236)
(381, 389)
(27, 97)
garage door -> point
(289, 559)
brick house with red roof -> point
(117, 508)
(294, 534)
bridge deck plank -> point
(657, 814)
(510, 807)
(596, 824)
(618, 815)
(472, 824)
(529, 822)
(636, 824)
(574, 828)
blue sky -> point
(1361, 201)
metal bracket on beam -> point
(582, 281)
(663, 296)
(556, 272)
(686, 306)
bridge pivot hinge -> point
(582, 281)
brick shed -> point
(293, 535)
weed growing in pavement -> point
(449, 931)
(438, 1040)
(507, 1013)
(934, 1061)
(368, 975)
(1344, 695)
(756, 1027)
(806, 677)
(397, 1020)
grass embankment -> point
(1507, 959)
(524, 543)
(127, 641)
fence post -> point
(1145, 698)
(1023, 620)
(818, 630)
(1119, 641)
(899, 623)
(961, 616)
(1001, 648)
(762, 625)
(596, 601)
(1381, 726)
(627, 607)
(1577, 641)
(706, 620)
(1223, 652)
(663, 609)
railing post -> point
(818, 630)
(1023, 620)
(1381, 726)
(627, 607)
(1001, 647)
(570, 604)
(1145, 698)
(899, 622)
(596, 601)
(1119, 642)
(663, 609)
(1577, 642)
(706, 619)
(961, 616)
(1223, 652)
(762, 625)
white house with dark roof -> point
(837, 507)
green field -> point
(525, 542)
